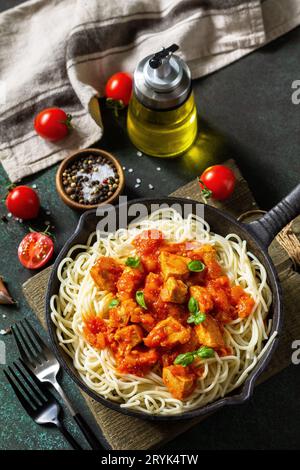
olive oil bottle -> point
(162, 116)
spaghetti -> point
(245, 339)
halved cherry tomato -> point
(53, 124)
(119, 87)
(23, 202)
(217, 181)
(35, 250)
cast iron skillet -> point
(258, 235)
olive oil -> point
(162, 133)
(162, 116)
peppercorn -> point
(80, 184)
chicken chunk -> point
(152, 288)
(209, 256)
(174, 291)
(245, 306)
(203, 298)
(209, 333)
(120, 315)
(243, 302)
(220, 293)
(174, 265)
(167, 333)
(191, 345)
(138, 362)
(106, 272)
(129, 336)
(129, 282)
(146, 320)
(179, 381)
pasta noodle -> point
(249, 338)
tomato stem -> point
(205, 192)
(8, 187)
(67, 122)
(115, 105)
(11, 186)
(44, 232)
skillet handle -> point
(266, 228)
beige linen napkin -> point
(60, 53)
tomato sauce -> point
(142, 336)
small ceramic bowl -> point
(90, 152)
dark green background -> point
(246, 113)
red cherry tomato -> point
(23, 202)
(119, 87)
(219, 180)
(52, 124)
(35, 250)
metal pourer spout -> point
(160, 61)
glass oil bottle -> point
(162, 116)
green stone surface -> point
(245, 113)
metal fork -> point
(44, 365)
(37, 401)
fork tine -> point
(23, 352)
(29, 339)
(28, 392)
(34, 378)
(24, 402)
(38, 391)
(28, 396)
(33, 334)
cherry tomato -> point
(52, 124)
(23, 202)
(219, 180)
(35, 250)
(119, 87)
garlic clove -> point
(5, 298)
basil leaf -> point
(184, 359)
(139, 297)
(113, 303)
(196, 318)
(133, 262)
(196, 266)
(204, 352)
(193, 305)
(187, 358)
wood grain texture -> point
(127, 433)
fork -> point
(44, 365)
(37, 401)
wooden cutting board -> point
(126, 433)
